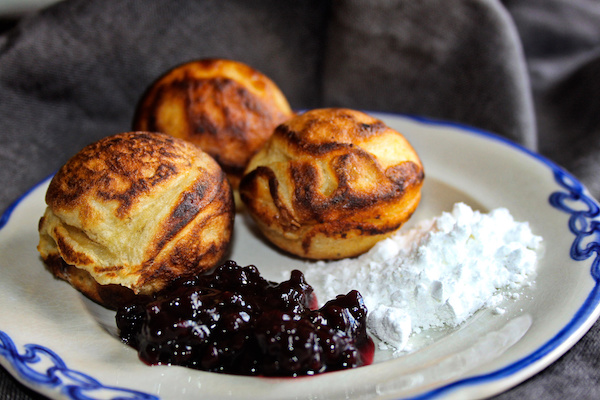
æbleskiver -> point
(435, 275)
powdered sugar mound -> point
(436, 274)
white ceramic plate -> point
(51, 340)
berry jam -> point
(234, 321)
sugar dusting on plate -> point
(437, 274)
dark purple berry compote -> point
(234, 321)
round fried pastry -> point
(226, 107)
(330, 183)
(130, 213)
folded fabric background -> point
(526, 69)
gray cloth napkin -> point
(526, 69)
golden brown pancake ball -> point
(330, 183)
(226, 107)
(131, 212)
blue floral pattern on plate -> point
(74, 384)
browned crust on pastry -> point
(137, 210)
(119, 168)
(226, 107)
(326, 186)
(110, 296)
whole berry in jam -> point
(234, 321)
